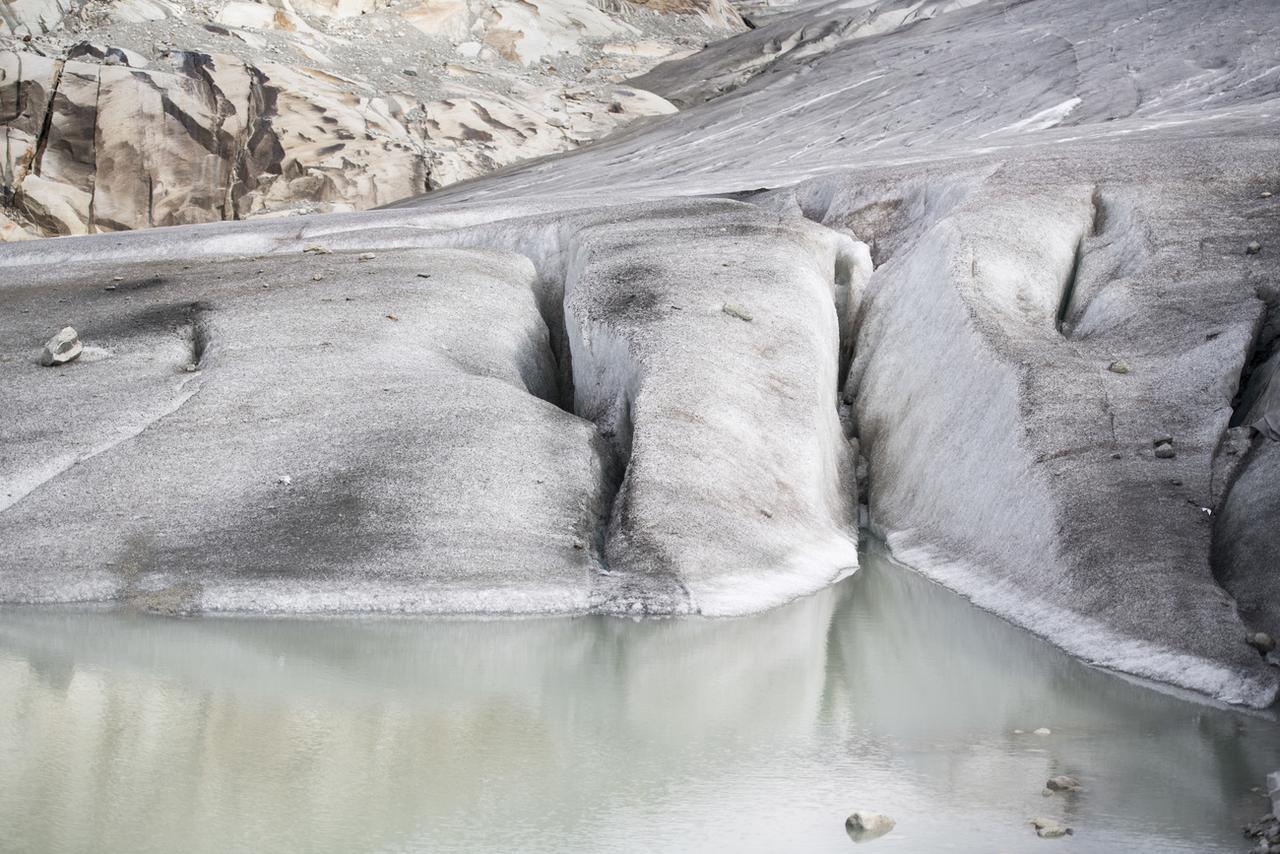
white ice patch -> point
(1040, 121)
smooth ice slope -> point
(394, 430)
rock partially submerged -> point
(864, 826)
(1062, 783)
(1266, 830)
(1049, 828)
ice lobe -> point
(1000, 449)
(327, 431)
(735, 480)
(352, 445)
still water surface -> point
(128, 733)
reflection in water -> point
(135, 734)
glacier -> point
(982, 258)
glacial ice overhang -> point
(998, 252)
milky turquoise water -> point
(128, 733)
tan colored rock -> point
(529, 31)
(11, 231)
(469, 137)
(260, 16)
(55, 207)
(168, 144)
(332, 8)
(335, 146)
(66, 155)
(647, 49)
(714, 13)
(448, 18)
(26, 81)
(143, 133)
(639, 102)
(143, 11)
(32, 16)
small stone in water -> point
(1063, 783)
(734, 310)
(1119, 366)
(1047, 828)
(1044, 730)
(863, 826)
(1253, 248)
(367, 256)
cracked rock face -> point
(920, 256)
(138, 113)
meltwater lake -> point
(132, 733)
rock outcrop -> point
(121, 115)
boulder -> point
(32, 17)
(63, 347)
(1063, 783)
(1262, 642)
(1048, 828)
(863, 826)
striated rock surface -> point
(139, 113)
